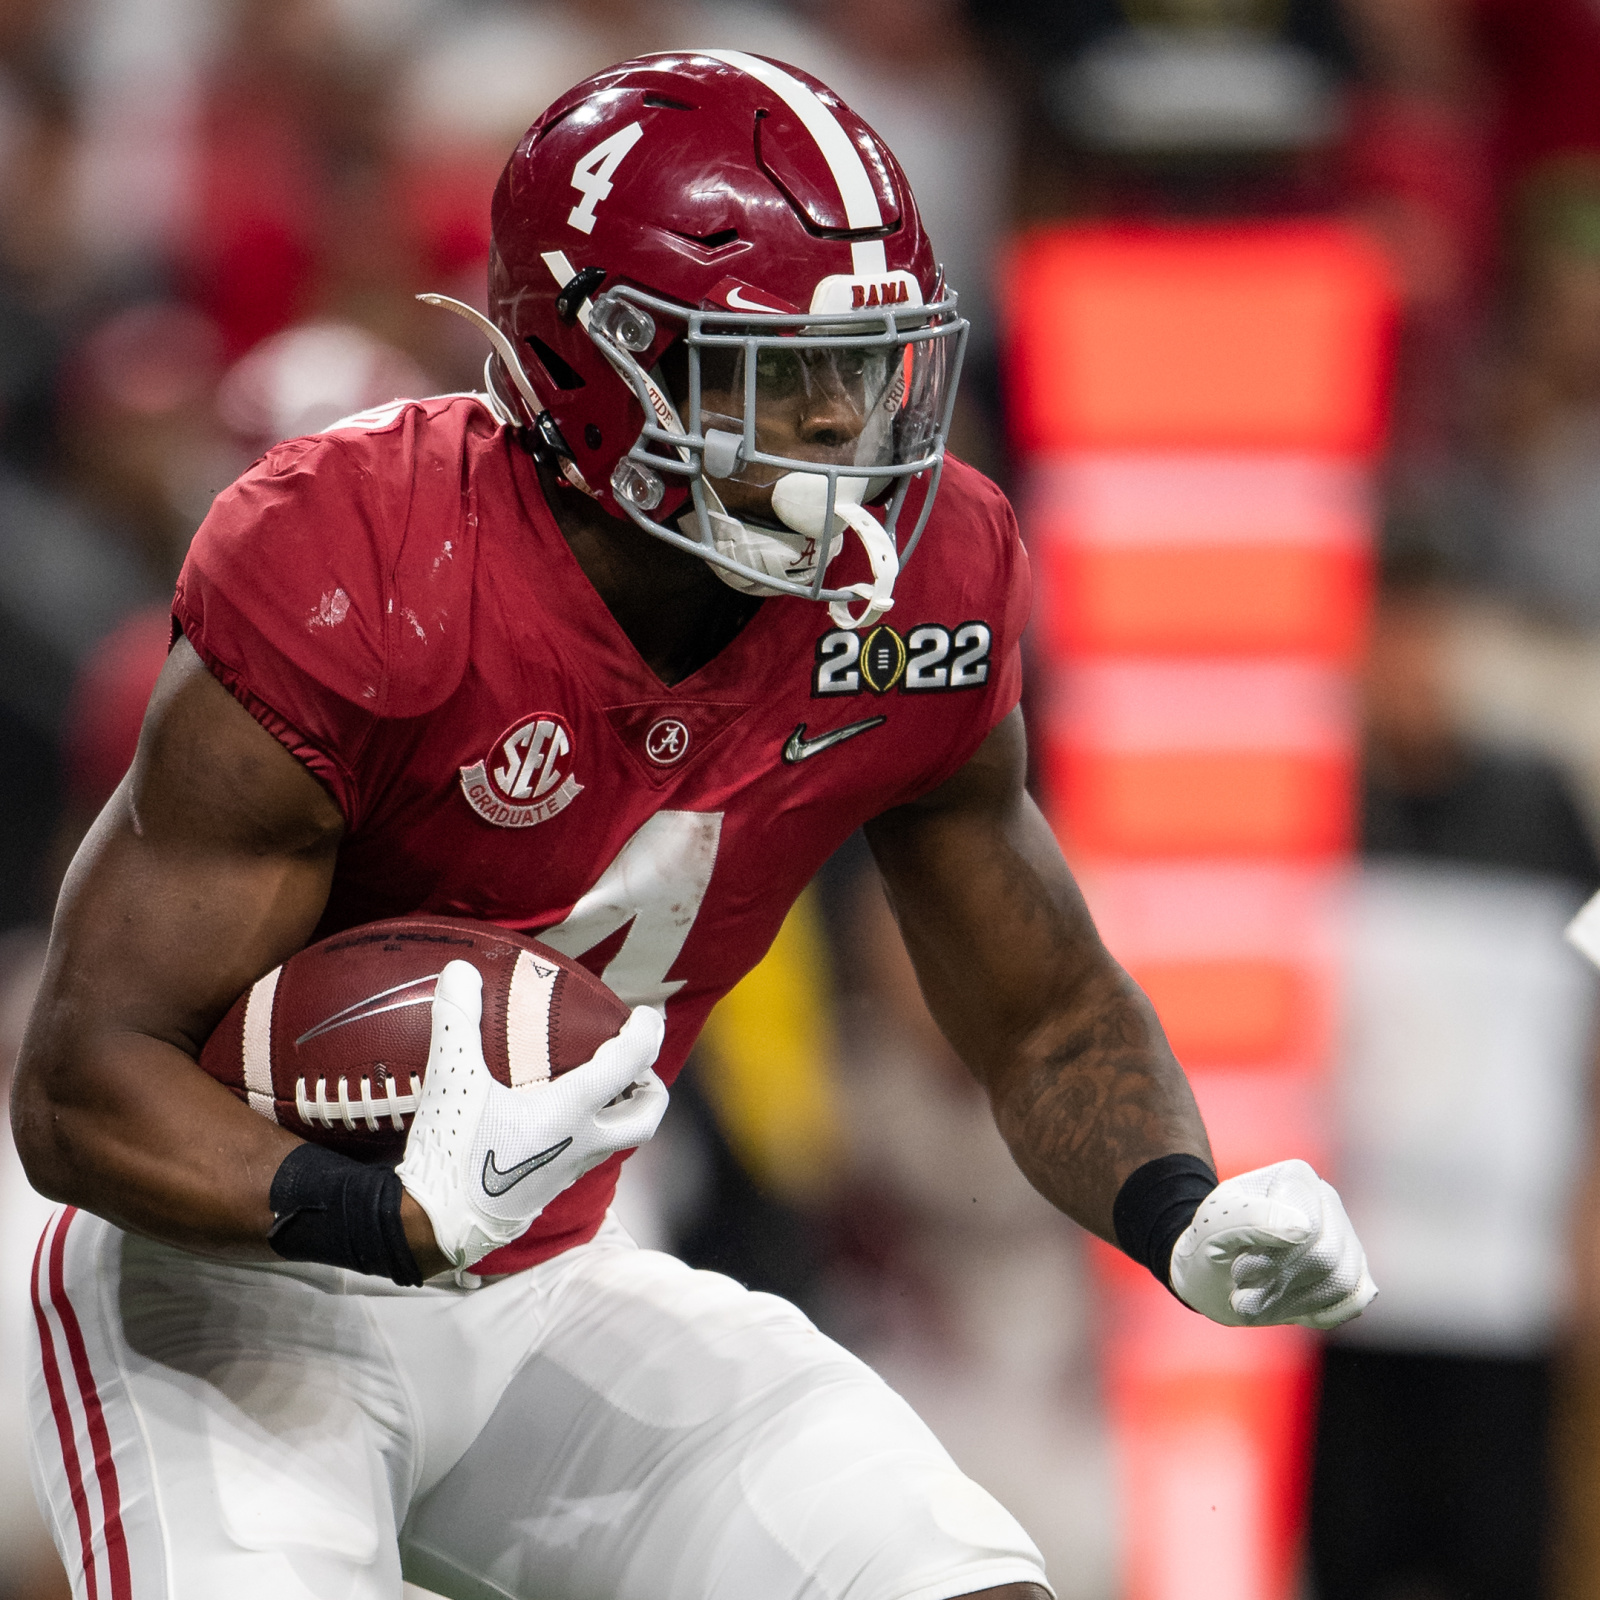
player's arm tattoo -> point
(1095, 1098)
(1083, 1084)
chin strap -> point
(885, 560)
(801, 498)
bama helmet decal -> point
(527, 777)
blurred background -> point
(1287, 346)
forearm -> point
(130, 1128)
(198, 1173)
(110, 1108)
(1092, 1095)
(1084, 1087)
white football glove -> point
(1273, 1246)
(483, 1160)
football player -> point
(616, 652)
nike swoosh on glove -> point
(1273, 1246)
(484, 1160)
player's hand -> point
(483, 1160)
(1271, 1246)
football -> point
(333, 1044)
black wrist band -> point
(1155, 1204)
(343, 1213)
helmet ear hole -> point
(562, 374)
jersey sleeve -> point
(284, 597)
(330, 588)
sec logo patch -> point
(527, 777)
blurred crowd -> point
(215, 216)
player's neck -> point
(676, 612)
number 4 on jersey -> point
(592, 175)
(656, 883)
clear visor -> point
(868, 407)
(862, 398)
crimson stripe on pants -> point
(99, 1435)
(58, 1405)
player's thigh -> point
(675, 1437)
(203, 1430)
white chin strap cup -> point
(800, 500)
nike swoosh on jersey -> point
(800, 748)
(496, 1181)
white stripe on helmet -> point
(861, 209)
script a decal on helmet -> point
(527, 777)
(714, 308)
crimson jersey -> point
(394, 601)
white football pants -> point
(608, 1426)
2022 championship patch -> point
(927, 659)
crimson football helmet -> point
(713, 303)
